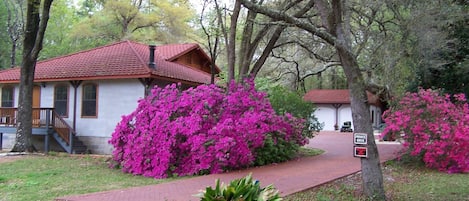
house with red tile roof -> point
(333, 107)
(90, 90)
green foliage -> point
(4, 42)
(11, 29)
(440, 46)
(165, 21)
(57, 40)
(286, 101)
(453, 76)
(244, 189)
(275, 151)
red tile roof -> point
(331, 96)
(124, 59)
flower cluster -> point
(434, 128)
(200, 130)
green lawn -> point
(48, 177)
(401, 181)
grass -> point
(39, 177)
(308, 151)
(47, 177)
(401, 181)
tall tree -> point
(4, 42)
(333, 26)
(14, 26)
(257, 45)
(211, 28)
(36, 24)
(440, 44)
(165, 21)
(57, 41)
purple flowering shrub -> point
(200, 130)
(433, 128)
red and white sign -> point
(361, 152)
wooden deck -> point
(46, 122)
(42, 121)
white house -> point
(90, 90)
(333, 107)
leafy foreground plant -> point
(435, 129)
(204, 130)
(244, 189)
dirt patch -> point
(6, 157)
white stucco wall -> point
(345, 114)
(47, 94)
(115, 98)
(325, 113)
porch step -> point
(78, 146)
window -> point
(7, 96)
(89, 103)
(61, 100)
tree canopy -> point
(399, 45)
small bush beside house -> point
(203, 130)
(435, 129)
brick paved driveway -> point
(289, 177)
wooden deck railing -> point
(62, 128)
(8, 116)
(42, 117)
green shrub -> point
(275, 151)
(287, 101)
(244, 189)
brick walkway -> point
(288, 178)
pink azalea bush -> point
(433, 128)
(200, 130)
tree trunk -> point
(231, 46)
(32, 45)
(332, 31)
(24, 118)
(13, 55)
(371, 168)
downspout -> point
(75, 84)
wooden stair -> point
(78, 147)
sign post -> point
(360, 141)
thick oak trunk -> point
(334, 30)
(371, 169)
(32, 45)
